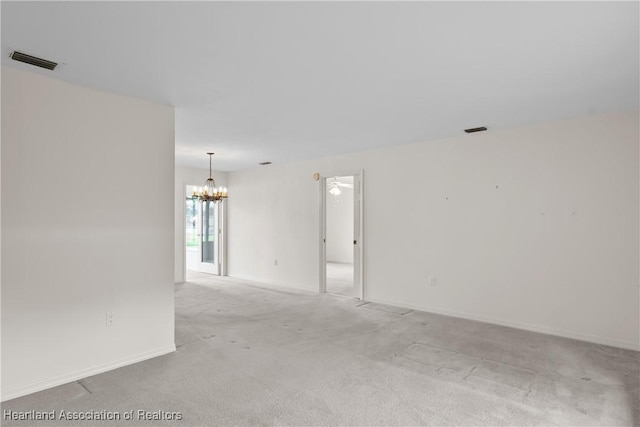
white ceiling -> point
(285, 81)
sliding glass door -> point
(205, 236)
(209, 232)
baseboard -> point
(83, 373)
(469, 316)
(517, 325)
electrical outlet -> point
(109, 319)
(433, 281)
(275, 262)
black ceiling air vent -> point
(264, 163)
(472, 130)
(33, 60)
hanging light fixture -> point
(210, 193)
(333, 185)
(334, 190)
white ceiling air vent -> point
(33, 60)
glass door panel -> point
(205, 236)
(208, 237)
(192, 234)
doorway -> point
(205, 237)
(341, 235)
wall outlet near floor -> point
(433, 281)
(275, 262)
(109, 319)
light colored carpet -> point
(340, 278)
(255, 356)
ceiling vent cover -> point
(472, 130)
(32, 60)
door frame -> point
(222, 237)
(358, 264)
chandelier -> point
(210, 193)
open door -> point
(357, 241)
(341, 239)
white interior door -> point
(357, 240)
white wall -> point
(340, 226)
(188, 176)
(533, 227)
(87, 214)
(273, 214)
